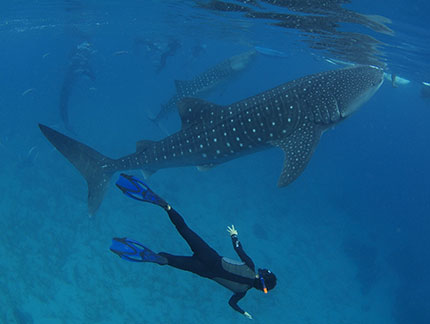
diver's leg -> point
(186, 263)
(200, 248)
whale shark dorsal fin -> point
(143, 145)
(193, 110)
(298, 149)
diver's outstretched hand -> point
(247, 315)
(232, 231)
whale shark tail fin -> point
(96, 168)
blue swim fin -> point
(133, 251)
(137, 189)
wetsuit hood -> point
(269, 280)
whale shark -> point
(78, 67)
(205, 81)
(172, 47)
(291, 117)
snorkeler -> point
(239, 277)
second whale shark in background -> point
(205, 81)
(78, 67)
(291, 117)
(425, 90)
(171, 48)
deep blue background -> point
(348, 240)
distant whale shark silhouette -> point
(291, 116)
(425, 90)
(78, 66)
(205, 81)
(172, 47)
(270, 52)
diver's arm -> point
(233, 303)
(241, 253)
(238, 247)
(234, 300)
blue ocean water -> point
(348, 240)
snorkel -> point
(260, 276)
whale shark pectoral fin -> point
(194, 110)
(298, 148)
(206, 167)
(147, 173)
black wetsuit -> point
(239, 277)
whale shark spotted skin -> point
(205, 81)
(291, 116)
